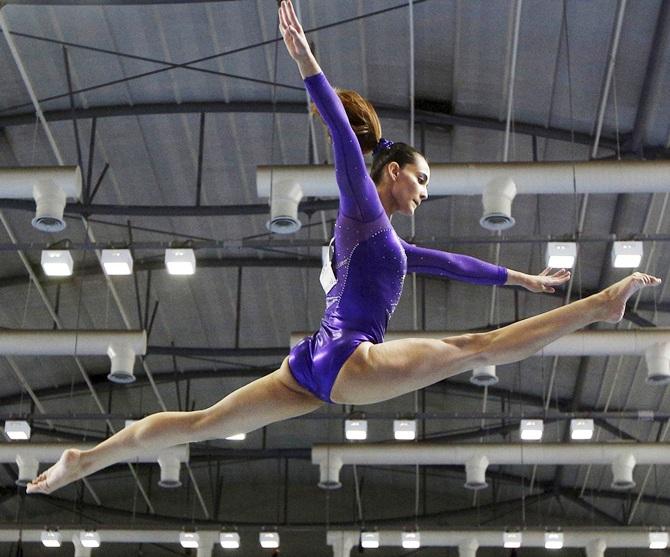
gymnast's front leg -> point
(376, 372)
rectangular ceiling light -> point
(531, 430)
(189, 540)
(627, 255)
(370, 540)
(561, 255)
(57, 262)
(51, 538)
(180, 261)
(404, 430)
(237, 437)
(229, 540)
(553, 540)
(17, 430)
(581, 429)
(269, 540)
(411, 540)
(512, 540)
(658, 540)
(89, 538)
(356, 430)
(117, 261)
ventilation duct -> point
(284, 202)
(122, 347)
(207, 538)
(49, 186)
(594, 541)
(28, 457)
(568, 178)
(621, 457)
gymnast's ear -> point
(392, 170)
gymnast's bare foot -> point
(616, 296)
(65, 471)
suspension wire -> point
(274, 106)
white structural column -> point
(594, 541)
(621, 457)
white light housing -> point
(89, 538)
(370, 540)
(269, 540)
(561, 255)
(658, 540)
(404, 430)
(627, 255)
(117, 261)
(512, 540)
(189, 540)
(356, 430)
(553, 540)
(180, 261)
(581, 429)
(57, 263)
(531, 430)
(229, 540)
(17, 430)
(237, 437)
(411, 540)
(51, 538)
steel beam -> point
(433, 117)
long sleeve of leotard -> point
(358, 195)
(451, 265)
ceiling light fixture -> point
(180, 261)
(561, 255)
(627, 255)
(57, 262)
(117, 261)
(531, 430)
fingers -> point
(292, 18)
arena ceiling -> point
(168, 108)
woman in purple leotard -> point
(346, 360)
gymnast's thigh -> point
(377, 372)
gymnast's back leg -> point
(271, 398)
(381, 371)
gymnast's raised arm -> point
(358, 197)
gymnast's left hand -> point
(546, 281)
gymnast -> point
(346, 360)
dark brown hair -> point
(367, 127)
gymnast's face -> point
(410, 185)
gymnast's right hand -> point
(291, 30)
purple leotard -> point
(370, 261)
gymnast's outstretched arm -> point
(475, 271)
(358, 196)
